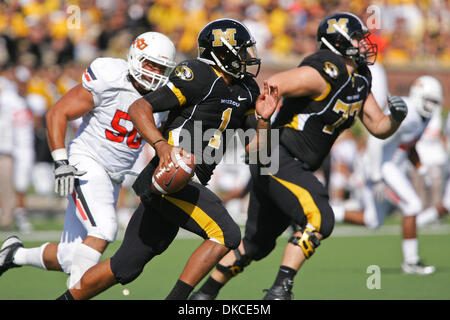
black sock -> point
(181, 291)
(284, 273)
(66, 296)
(211, 287)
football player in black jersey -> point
(322, 97)
(212, 93)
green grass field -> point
(338, 270)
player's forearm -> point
(261, 140)
(56, 128)
(385, 128)
(141, 114)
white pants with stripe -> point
(400, 193)
(91, 209)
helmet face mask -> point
(229, 45)
(151, 59)
(346, 35)
(367, 51)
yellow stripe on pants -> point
(306, 202)
(213, 231)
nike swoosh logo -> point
(241, 99)
(360, 88)
(171, 179)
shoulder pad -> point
(105, 69)
(104, 74)
(329, 65)
(192, 78)
(189, 69)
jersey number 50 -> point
(122, 132)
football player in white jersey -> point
(105, 147)
(16, 153)
(388, 185)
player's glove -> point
(65, 177)
(398, 108)
(379, 191)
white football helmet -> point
(157, 48)
(426, 95)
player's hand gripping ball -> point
(173, 180)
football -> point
(166, 182)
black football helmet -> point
(228, 44)
(338, 31)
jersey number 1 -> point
(122, 132)
(216, 139)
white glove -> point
(65, 177)
(379, 190)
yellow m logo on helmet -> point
(228, 35)
(342, 23)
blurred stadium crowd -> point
(46, 44)
(45, 33)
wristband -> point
(264, 119)
(153, 144)
(59, 154)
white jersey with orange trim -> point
(385, 160)
(395, 148)
(106, 133)
(17, 135)
(16, 123)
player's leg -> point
(410, 204)
(147, 235)
(94, 197)
(303, 198)
(197, 209)
(46, 256)
(433, 214)
(89, 225)
(264, 225)
(7, 194)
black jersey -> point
(309, 127)
(202, 106)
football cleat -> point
(198, 295)
(280, 292)
(417, 268)
(7, 251)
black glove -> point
(398, 108)
(65, 177)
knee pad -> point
(237, 267)
(308, 242)
(84, 257)
(65, 254)
(413, 207)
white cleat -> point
(7, 251)
(417, 268)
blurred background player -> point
(103, 151)
(388, 185)
(16, 140)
